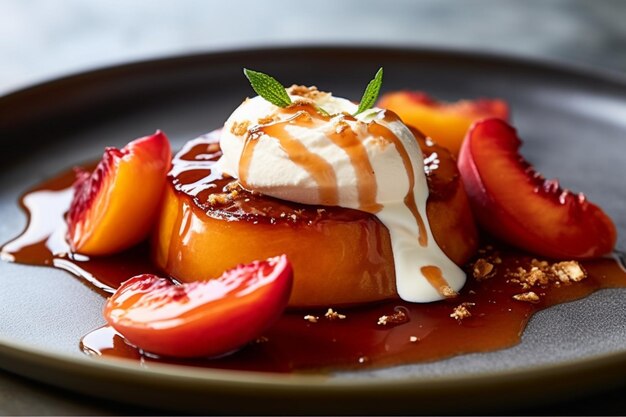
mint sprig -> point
(370, 95)
(268, 87)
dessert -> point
(360, 203)
(343, 256)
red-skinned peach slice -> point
(517, 205)
(445, 123)
(202, 318)
(115, 206)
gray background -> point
(41, 39)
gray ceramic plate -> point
(574, 124)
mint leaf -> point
(371, 92)
(268, 88)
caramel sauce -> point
(435, 278)
(426, 333)
(347, 140)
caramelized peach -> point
(340, 256)
(115, 206)
(445, 123)
(517, 205)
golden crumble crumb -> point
(398, 317)
(568, 271)
(303, 91)
(528, 297)
(218, 199)
(536, 277)
(311, 319)
(543, 273)
(240, 128)
(483, 269)
(448, 292)
(333, 315)
(266, 120)
(461, 311)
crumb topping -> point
(448, 292)
(306, 92)
(528, 297)
(398, 317)
(542, 274)
(311, 319)
(483, 269)
(462, 311)
(240, 128)
(333, 315)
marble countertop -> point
(43, 39)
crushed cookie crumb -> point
(333, 315)
(483, 269)
(568, 271)
(528, 297)
(311, 319)
(266, 120)
(462, 311)
(448, 292)
(398, 317)
(303, 91)
(218, 199)
(542, 273)
(240, 128)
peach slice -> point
(516, 204)
(445, 123)
(115, 206)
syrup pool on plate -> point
(382, 334)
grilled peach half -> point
(518, 205)
(339, 256)
(115, 206)
(445, 123)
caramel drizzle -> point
(380, 130)
(435, 278)
(346, 139)
(318, 168)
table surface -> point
(43, 39)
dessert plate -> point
(574, 125)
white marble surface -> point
(42, 39)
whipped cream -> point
(369, 162)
